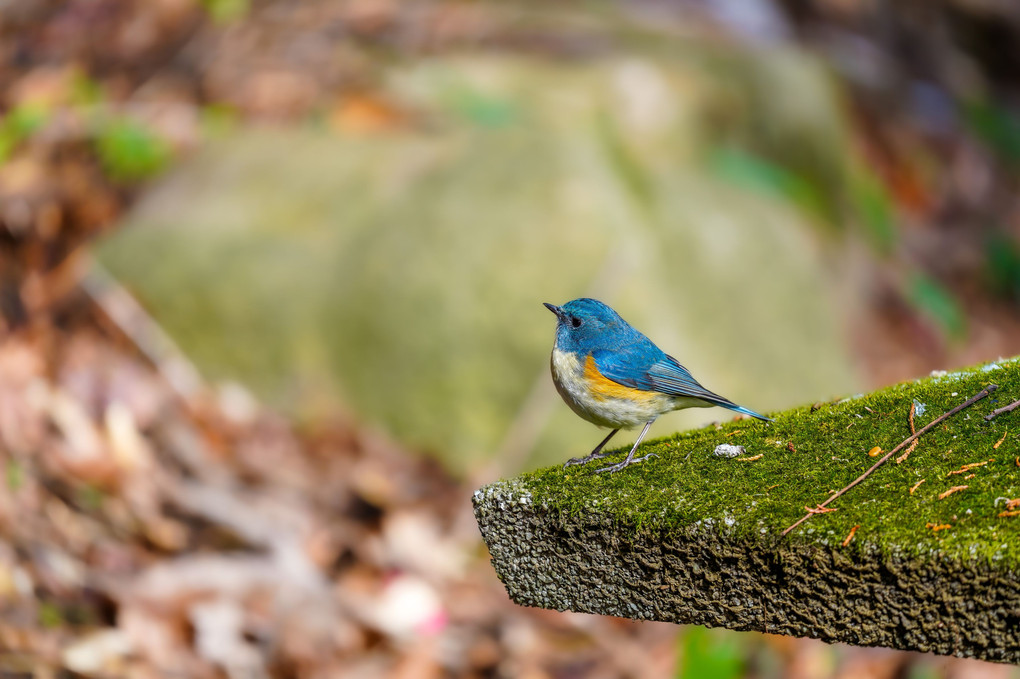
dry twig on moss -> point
(1004, 409)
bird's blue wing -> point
(646, 367)
(672, 378)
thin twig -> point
(1004, 409)
(923, 430)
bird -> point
(613, 376)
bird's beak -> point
(555, 309)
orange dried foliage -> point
(967, 467)
(954, 489)
(819, 509)
(848, 538)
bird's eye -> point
(575, 321)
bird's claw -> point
(584, 460)
(621, 465)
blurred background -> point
(271, 277)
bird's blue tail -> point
(746, 411)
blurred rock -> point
(403, 274)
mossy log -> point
(923, 555)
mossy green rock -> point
(690, 537)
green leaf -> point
(25, 119)
(7, 144)
(711, 654)
(762, 175)
(85, 91)
(874, 210)
(938, 304)
(90, 498)
(50, 615)
(225, 11)
(1002, 262)
(218, 120)
(923, 670)
(129, 151)
(15, 475)
(20, 122)
(484, 110)
(998, 127)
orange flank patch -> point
(603, 388)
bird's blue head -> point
(585, 324)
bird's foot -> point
(620, 465)
(584, 460)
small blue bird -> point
(613, 376)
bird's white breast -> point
(616, 407)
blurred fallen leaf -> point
(100, 653)
(366, 114)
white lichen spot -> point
(728, 450)
(919, 407)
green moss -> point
(687, 486)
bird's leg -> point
(630, 456)
(593, 455)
